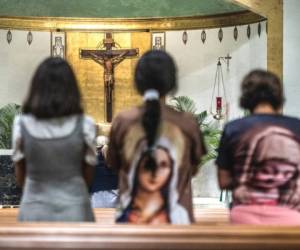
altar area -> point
(195, 34)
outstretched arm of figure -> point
(116, 60)
(97, 58)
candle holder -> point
(218, 108)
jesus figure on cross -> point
(108, 58)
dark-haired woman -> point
(259, 156)
(155, 150)
(53, 148)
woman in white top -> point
(54, 148)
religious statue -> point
(108, 58)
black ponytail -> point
(151, 121)
(155, 70)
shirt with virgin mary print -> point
(162, 195)
(262, 153)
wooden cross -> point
(108, 58)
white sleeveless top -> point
(53, 128)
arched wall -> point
(197, 62)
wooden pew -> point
(106, 215)
(83, 236)
(211, 232)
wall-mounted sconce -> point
(29, 37)
(184, 37)
(9, 36)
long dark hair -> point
(53, 91)
(155, 70)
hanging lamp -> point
(218, 104)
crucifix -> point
(109, 58)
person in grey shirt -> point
(54, 148)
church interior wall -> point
(196, 68)
(18, 61)
(197, 62)
(291, 56)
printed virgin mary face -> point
(278, 156)
(153, 182)
(274, 173)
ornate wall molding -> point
(273, 11)
(129, 24)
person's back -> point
(54, 175)
(156, 150)
(259, 156)
(51, 147)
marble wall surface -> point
(9, 193)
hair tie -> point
(151, 94)
(151, 149)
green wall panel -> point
(115, 8)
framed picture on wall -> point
(58, 44)
(158, 41)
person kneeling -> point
(259, 156)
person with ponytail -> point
(155, 150)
